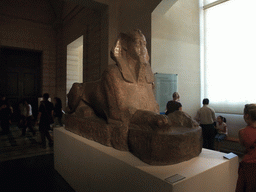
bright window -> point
(74, 63)
(229, 55)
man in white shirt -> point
(26, 113)
(206, 117)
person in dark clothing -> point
(3, 100)
(174, 104)
(45, 119)
(5, 116)
(58, 110)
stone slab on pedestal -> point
(180, 144)
(98, 130)
(89, 166)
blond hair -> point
(175, 95)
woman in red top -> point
(247, 136)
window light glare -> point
(230, 60)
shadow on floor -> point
(31, 174)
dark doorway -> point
(20, 77)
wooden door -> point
(20, 77)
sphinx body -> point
(120, 109)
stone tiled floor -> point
(26, 166)
(13, 146)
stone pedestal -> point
(90, 166)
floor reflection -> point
(15, 146)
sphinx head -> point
(131, 45)
(136, 46)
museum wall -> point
(100, 29)
(119, 16)
(176, 48)
(124, 16)
(137, 14)
(110, 26)
(92, 26)
(28, 27)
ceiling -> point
(47, 12)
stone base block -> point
(156, 148)
(96, 129)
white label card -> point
(229, 155)
(175, 178)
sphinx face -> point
(137, 49)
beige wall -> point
(176, 47)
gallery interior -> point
(47, 45)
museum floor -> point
(26, 166)
(14, 146)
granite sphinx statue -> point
(120, 109)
